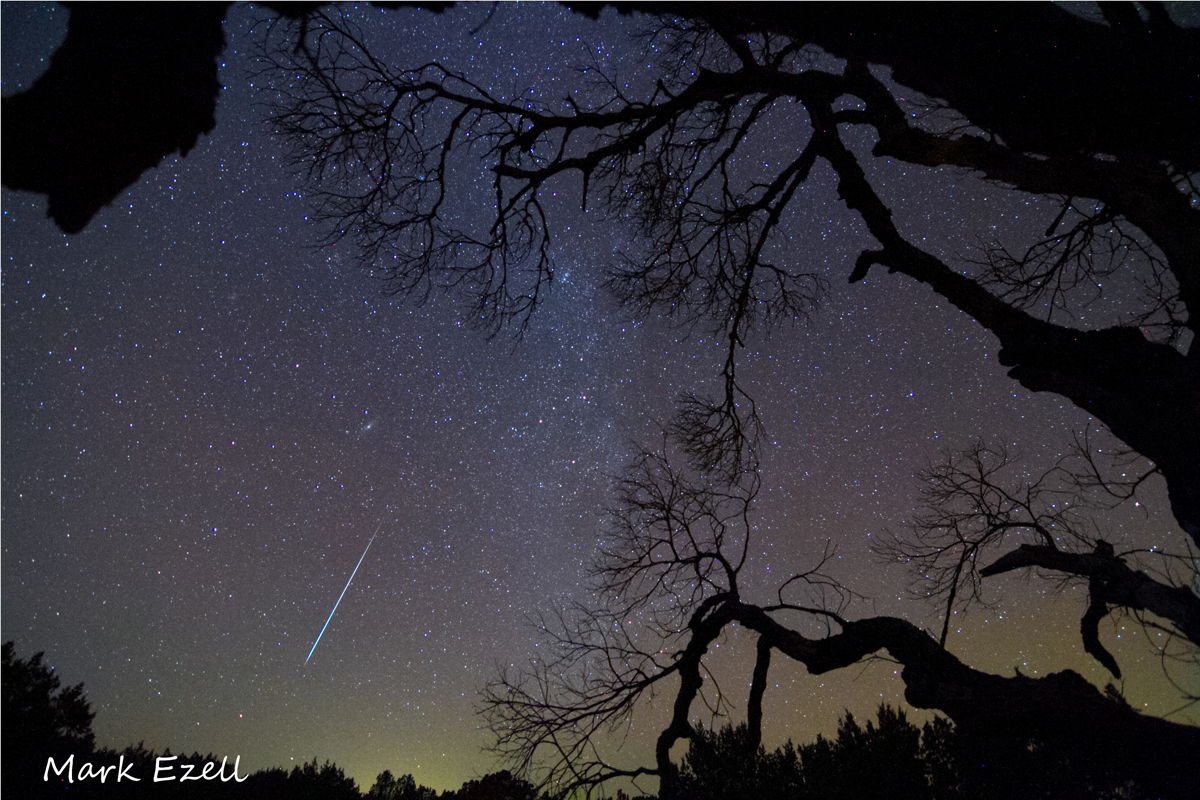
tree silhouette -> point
(881, 760)
(1122, 176)
(679, 156)
(494, 786)
(664, 154)
(124, 90)
(972, 507)
(325, 781)
(1097, 117)
(670, 583)
(43, 719)
(727, 763)
(889, 757)
(389, 787)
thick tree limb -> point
(1113, 580)
(1109, 93)
(1089, 629)
(758, 687)
(1061, 707)
(1141, 192)
(1147, 393)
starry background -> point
(206, 416)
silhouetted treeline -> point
(44, 720)
(891, 758)
(313, 780)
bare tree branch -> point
(386, 143)
(972, 508)
(668, 587)
(667, 156)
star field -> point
(206, 416)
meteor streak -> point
(343, 594)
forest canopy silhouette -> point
(887, 757)
(54, 722)
(1096, 116)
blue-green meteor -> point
(343, 594)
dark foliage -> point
(41, 718)
(888, 758)
(130, 85)
(496, 786)
(388, 787)
(885, 759)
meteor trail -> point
(343, 594)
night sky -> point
(205, 417)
